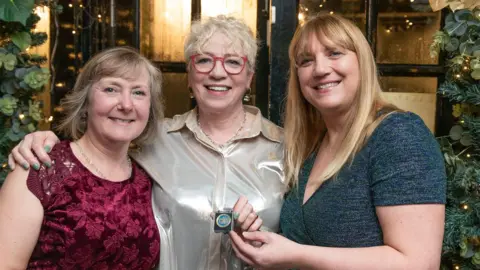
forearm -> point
(371, 258)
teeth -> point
(327, 85)
(217, 88)
(122, 120)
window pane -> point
(414, 94)
(405, 31)
(164, 24)
(351, 9)
(176, 94)
(246, 9)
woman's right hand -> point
(41, 142)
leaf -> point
(31, 127)
(476, 74)
(456, 132)
(9, 61)
(463, 15)
(20, 73)
(457, 28)
(16, 10)
(466, 140)
(452, 45)
(22, 40)
(466, 48)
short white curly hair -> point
(236, 30)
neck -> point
(336, 125)
(109, 158)
(221, 126)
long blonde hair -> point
(304, 126)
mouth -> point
(326, 86)
(217, 88)
(120, 120)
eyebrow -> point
(227, 54)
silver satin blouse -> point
(195, 178)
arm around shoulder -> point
(21, 216)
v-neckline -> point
(305, 175)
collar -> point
(260, 125)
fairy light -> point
(457, 267)
(70, 5)
(301, 17)
(465, 207)
(74, 32)
(458, 76)
(407, 21)
(21, 116)
(59, 84)
(388, 30)
(462, 121)
(465, 67)
(81, 5)
(99, 16)
(4, 165)
(50, 119)
(468, 155)
(320, 5)
(410, 23)
(331, 12)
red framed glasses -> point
(232, 64)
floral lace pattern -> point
(90, 222)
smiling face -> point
(118, 108)
(217, 90)
(329, 75)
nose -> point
(218, 71)
(322, 66)
(125, 102)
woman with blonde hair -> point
(204, 160)
(368, 180)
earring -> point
(248, 95)
(191, 93)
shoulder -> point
(272, 131)
(402, 127)
(47, 181)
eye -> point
(139, 92)
(202, 59)
(109, 89)
(335, 53)
(234, 61)
(305, 61)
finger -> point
(257, 224)
(237, 208)
(263, 237)
(242, 256)
(244, 248)
(249, 221)
(11, 162)
(243, 214)
(25, 151)
(42, 144)
(18, 158)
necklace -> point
(95, 167)
(229, 140)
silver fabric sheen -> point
(194, 178)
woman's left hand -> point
(277, 252)
(245, 217)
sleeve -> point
(406, 164)
(38, 183)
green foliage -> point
(21, 77)
(460, 42)
(16, 10)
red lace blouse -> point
(90, 222)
